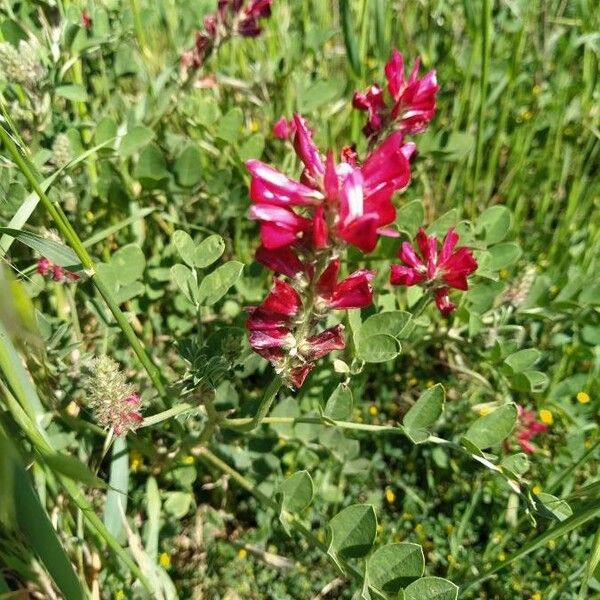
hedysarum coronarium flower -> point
(436, 271)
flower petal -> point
(306, 149)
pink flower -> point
(283, 128)
(412, 103)
(277, 332)
(341, 203)
(527, 428)
(281, 260)
(353, 292)
(86, 20)
(43, 266)
(448, 269)
(129, 416)
(248, 24)
(323, 343)
(372, 101)
(47, 268)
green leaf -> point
(431, 588)
(515, 464)
(504, 255)
(424, 413)
(135, 139)
(231, 125)
(530, 381)
(208, 251)
(523, 359)
(178, 504)
(152, 525)
(377, 348)
(297, 491)
(73, 92)
(493, 428)
(36, 528)
(55, 251)
(185, 246)
(115, 508)
(495, 223)
(129, 263)
(394, 566)
(215, 285)
(187, 167)
(553, 507)
(353, 531)
(339, 404)
(410, 217)
(392, 323)
(151, 167)
(253, 147)
(186, 282)
(72, 468)
(441, 225)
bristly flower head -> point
(433, 270)
(411, 105)
(114, 401)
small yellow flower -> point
(485, 410)
(587, 444)
(120, 595)
(89, 215)
(583, 397)
(546, 416)
(188, 460)
(321, 536)
(536, 596)
(253, 126)
(390, 496)
(373, 411)
(164, 560)
(527, 115)
(136, 461)
(412, 381)
(536, 489)
(429, 384)
(420, 530)
(551, 544)
(503, 273)
(502, 556)
(407, 516)
(536, 89)
(242, 553)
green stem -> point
(486, 26)
(178, 409)
(86, 260)
(252, 423)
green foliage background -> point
(133, 154)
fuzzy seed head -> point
(113, 399)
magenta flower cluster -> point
(306, 223)
(232, 17)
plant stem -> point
(178, 409)
(486, 26)
(248, 424)
(87, 262)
